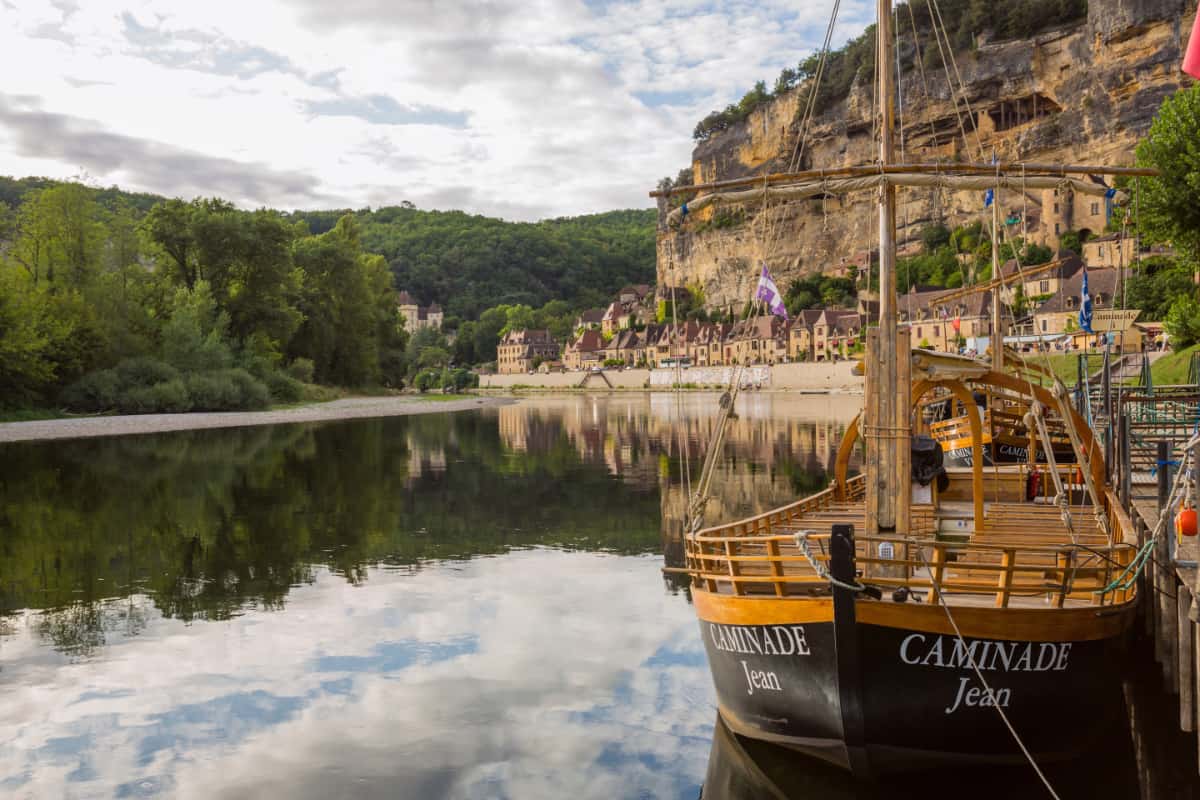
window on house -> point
(1070, 302)
(1043, 326)
(1043, 287)
(1057, 229)
(1095, 208)
(1056, 208)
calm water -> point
(459, 606)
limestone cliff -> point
(1083, 94)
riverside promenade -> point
(834, 377)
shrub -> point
(168, 397)
(211, 391)
(251, 392)
(456, 380)
(426, 380)
(283, 388)
(227, 390)
(301, 369)
(96, 391)
(144, 372)
(136, 400)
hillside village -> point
(634, 331)
(817, 334)
(631, 331)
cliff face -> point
(1085, 94)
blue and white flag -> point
(988, 197)
(1085, 305)
(768, 292)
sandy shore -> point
(348, 408)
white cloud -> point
(577, 107)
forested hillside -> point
(117, 301)
(468, 263)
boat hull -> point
(895, 691)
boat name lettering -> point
(976, 697)
(951, 653)
(760, 680)
(773, 640)
(1013, 450)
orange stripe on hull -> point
(1018, 624)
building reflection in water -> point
(776, 448)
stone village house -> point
(519, 349)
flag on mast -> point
(1191, 59)
(1085, 305)
(768, 292)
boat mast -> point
(888, 447)
(997, 323)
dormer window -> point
(1099, 298)
(1070, 302)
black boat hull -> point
(898, 693)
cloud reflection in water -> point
(538, 673)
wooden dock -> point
(1146, 445)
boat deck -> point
(1022, 555)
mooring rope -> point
(979, 674)
(819, 568)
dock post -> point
(1125, 476)
(1162, 455)
(1187, 661)
(1168, 627)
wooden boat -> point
(887, 625)
(876, 681)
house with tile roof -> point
(518, 350)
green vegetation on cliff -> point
(854, 62)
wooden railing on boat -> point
(1025, 551)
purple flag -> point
(768, 292)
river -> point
(463, 605)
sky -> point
(522, 109)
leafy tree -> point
(1183, 322)
(487, 333)
(193, 338)
(340, 328)
(1155, 285)
(518, 318)
(934, 237)
(464, 344)
(1170, 203)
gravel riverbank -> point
(347, 408)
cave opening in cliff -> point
(1013, 112)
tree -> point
(487, 333)
(1183, 322)
(1170, 203)
(934, 237)
(517, 318)
(341, 325)
(169, 225)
